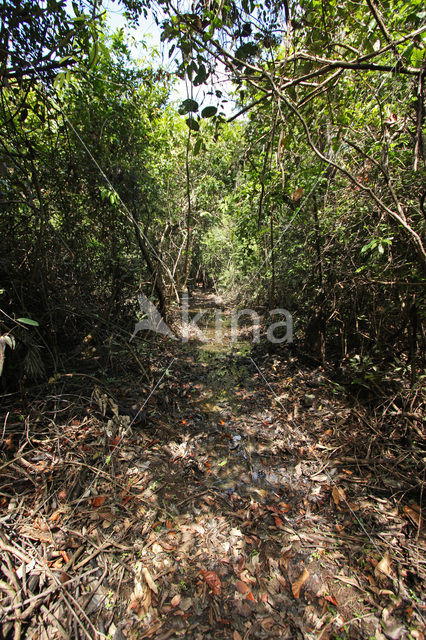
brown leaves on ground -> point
(413, 512)
(298, 584)
(236, 510)
(338, 495)
(384, 567)
(213, 581)
(242, 587)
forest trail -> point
(234, 502)
(157, 486)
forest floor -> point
(234, 494)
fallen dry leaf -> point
(140, 600)
(267, 623)
(394, 630)
(285, 556)
(414, 514)
(213, 581)
(236, 636)
(241, 586)
(338, 495)
(64, 577)
(107, 516)
(98, 501)
(298, 584)
(175, 600)
(57, 564)
(319, 477)
(28, 531)
(55, 516)
(384, 566)
(347, 580)
(65, 556)
(149, 580)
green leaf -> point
(59, 80)
(188, 106)
(208, 112)
(197, 146)
(246, 50)
(186, 47)
(246, 30)
(192, 124)
(201, 75)
(417, 57)
(191, 69)
(371, 245)
(93, 55)
(9, 340)
(32, 323)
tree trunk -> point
(154, 272)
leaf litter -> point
(210, 505)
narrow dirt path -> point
(261, 536)
(239, 503)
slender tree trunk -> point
(186, 267)
(412, 333)
(156, 277)
(318, 244)
(272, 263)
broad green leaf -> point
(93, 55)
(370, 245)
(246, 30)
(32, 323)
(201, 75)
(188, 106)
(59, 81)
(192, 124)
(208, 112)
(246, 50)
(417, 57)
(197, 146)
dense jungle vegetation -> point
(311, 196)
(267, 155)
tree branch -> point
(420, 250)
